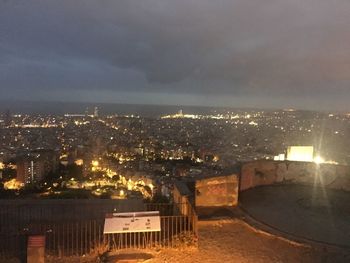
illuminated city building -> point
(30, 170)
(96, 112)
(32, 167)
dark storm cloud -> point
(272, 48)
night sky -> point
(251, 53)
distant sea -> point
(60, 108)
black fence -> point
(83, 237)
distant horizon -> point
(36, 104)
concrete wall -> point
(217, 191)
(181, 201)
(177, 197)
(270, 172)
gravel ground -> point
(235, 241)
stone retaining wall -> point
(265, 172)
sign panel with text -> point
(132, 222)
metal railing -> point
(66, 238)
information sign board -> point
(132, 222)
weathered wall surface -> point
(217, 191)
(270, 172)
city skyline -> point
(293, 54)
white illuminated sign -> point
(132, 222)
(300, 153)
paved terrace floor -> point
(303, 211)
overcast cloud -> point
(272, 53)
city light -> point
(95, 163)
(13, 184)
(79, 162)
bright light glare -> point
(318, 159)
